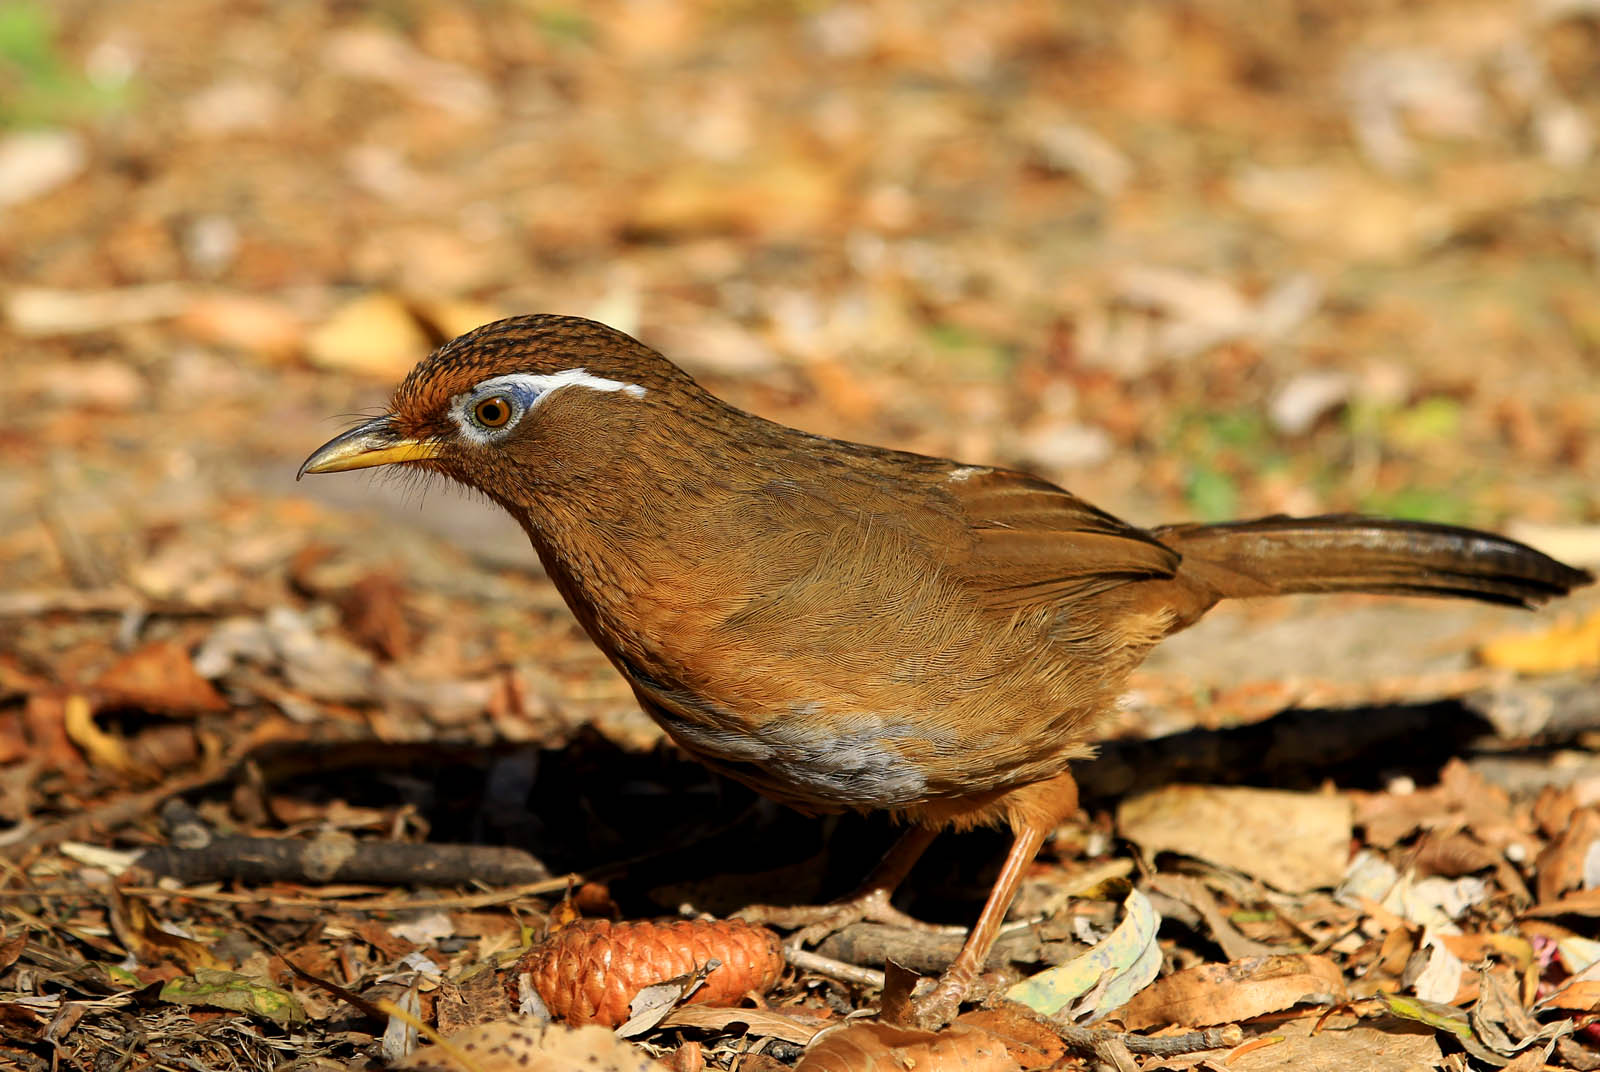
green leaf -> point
(1446, 1018)
(1119, 967)
(1212, 493)
(1432, 420)
(238, 993)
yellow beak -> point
(367, 445)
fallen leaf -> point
(374, 612)
(104, 750)
(1226, 993)
(1440, 979)
(1115, 970)
(653, 1003)
(871, 1046)
(448, 318)
(1292, 841)
(1561, 865)
(375, 335)
(1582, 903)
(245, 322)
(1192, 892)
(151, 943)
(235, 992)
(11, 949)
(524, 1045)
(1567, 645)
(159, 677)
(1441, 1017)
(46, 311)
(759, 1022)
(1581, 996)
(467, 1002)
(1033, 1044)
(1382, 1045)
(34, 162)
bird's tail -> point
(1349, 553)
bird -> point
(848, 627)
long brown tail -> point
(1350, 553)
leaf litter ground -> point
(285, 771)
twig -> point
(368, 904)
(125, 810)
(116, 600)
(878, 943)
(1094, 1041)
(1087, 1039)
(256, 861)
(115, 814)
(837, 969)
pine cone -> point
(589, 971)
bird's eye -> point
(492, 412)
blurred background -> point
(1191, 258)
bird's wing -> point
(1033, 543)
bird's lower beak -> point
(367, 445)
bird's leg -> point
(869, 901)
(940, 1005)
(1033, 811)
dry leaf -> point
(467, 1002)
(1440, 978)
(1581, 903)
(759, 1022)
(44, 725)
(1561, 864)
(1566, 645)
(1032, 1044)
(244, 322)
(47, 311)
(1387, 1045)
(1581, 996)
(528, 1046)
(375, 614)
(150, 943)
(870, 1046)
(104, 750)
(375, 335)
(159, 677)
(447, 318)
(1226, 993)
(1292, 841)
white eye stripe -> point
(543, 385)
(526, 390)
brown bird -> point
(841, 626)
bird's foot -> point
(816, 922)
(938, 1006)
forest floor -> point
(1192, 260)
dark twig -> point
(256, 861)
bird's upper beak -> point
(373, 443)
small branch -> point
(257, 861)
(837, 969)
(930, 953)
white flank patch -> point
(966, 472)
(526, 390)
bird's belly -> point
(863, 762)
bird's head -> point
(517, 405)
